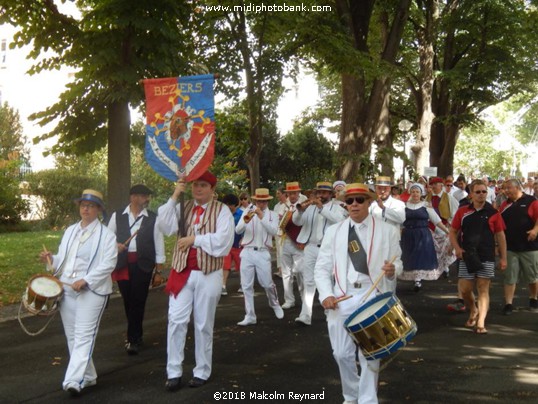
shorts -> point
(487, 272)
(522, 266)
(233, 256)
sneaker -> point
(224, 292)
(72, 388)
(240, 290)
(89, 383)
(247, 321)
(305, 320)
(533, 304)
(508, 309)
(288, 305)
(456, 307)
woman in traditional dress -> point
(418, 251)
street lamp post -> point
(404, 126)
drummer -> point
(353, 255)
(86, 257)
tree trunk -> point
(119, 157)
(362, 110)
(426, 39)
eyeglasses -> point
(359, 199)
(480, 192)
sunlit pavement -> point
(444, 363)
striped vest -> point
(206, 262)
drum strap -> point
(356, 252)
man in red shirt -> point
(520, 213)
(475, 229)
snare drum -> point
(42, 294)
(381, 326)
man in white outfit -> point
(353, 255)
(292, 250)
(387, 208)
(280, 209)
(315, 220)
(258, 227)
(195, 281)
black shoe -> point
(508, 309)
(533, 304)
(196, 382)
(132, 348)
(445, 274)
(173, 384)
(417, 287)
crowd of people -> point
(341, 240)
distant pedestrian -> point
(520, 214)
(233, 257)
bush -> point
(59, 188)
(12, 206)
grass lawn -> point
(19, 260)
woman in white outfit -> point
(86, 257)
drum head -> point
(45, 286)
(371, 310)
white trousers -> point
(81, 314)
(292, 259)
(361, 388)
(202, 292)
(307, 279)
(257, 263)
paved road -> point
(445, 363)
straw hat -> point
(293, 186)
(324, 186)
(262, 194)
(359, 189)
(383, 181)
(92, 195)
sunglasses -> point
(448, 185)
(359, 199)
(480, 192)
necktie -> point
(198, 211)
(356, 252)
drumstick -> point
(49, 262)
(66, 284)
(376, 282)
(130, 238)
(342, 298)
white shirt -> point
(158, 237)
(79, 251)
(217, 244)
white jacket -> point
(330, 214)
(332, 264)
(394, 212)
(104, 253)
(265, 228)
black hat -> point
(140, 189)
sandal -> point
(480, 330)
(471, 322)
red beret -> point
(208, 177)
(435, 180)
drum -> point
(42, 294)
(381, 326)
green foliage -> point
(477, 153)
(12, 138)
(12, 205)
(58, 188)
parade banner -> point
(180, 125)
